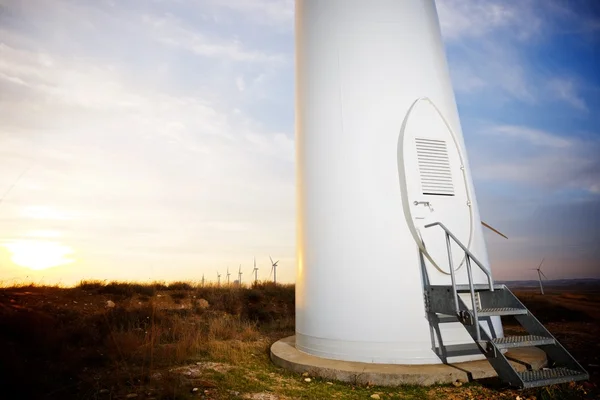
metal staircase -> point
(489, 300)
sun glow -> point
(38, 254)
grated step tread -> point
(477, 287)
(509, 342)
(498, 311)
(551, 376)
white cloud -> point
(538, 159)
(566, 90)
(533, 136)
(173, 32)
(489, 65)
(489, 45)
(461, 19)
(44, 212)
(276, 13)
(240, 83)
(464, 80)
(277, 145)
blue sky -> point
(154, 139)
(527, 82)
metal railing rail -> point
(468, 257)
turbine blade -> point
(540, 266)
(494, 230)
(544, 275)
(271, 260)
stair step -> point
(477, 287)
(498, 311)
(509, 342)
(551, 376)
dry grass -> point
(71, 344)
(160, 341)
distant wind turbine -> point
(218, 279)
(202, 280)
(255, 270)
(540, 274)
(240, 276)
(228, 276)
(274, 269)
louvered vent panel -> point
(434, 167)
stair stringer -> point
(557, 354)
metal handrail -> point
(468, 257)
(467, 252)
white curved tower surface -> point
(377, 130)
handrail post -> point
(472, 290)
(454, 292)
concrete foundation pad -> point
(284, 354)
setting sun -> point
(39, 255)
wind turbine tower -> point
(228, 274)
(240, 276)
(255, 270)
(540, 274)
(218, 279)
(383, 179)
(274, 269)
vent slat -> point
(438, 186)
(432, 150)
(428, 147)
(432, 161)
(431, 141)
(433, 182)
(434, 167)
(432, 157)
(436, 176)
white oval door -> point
(435, 188)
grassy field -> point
(181, 341)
